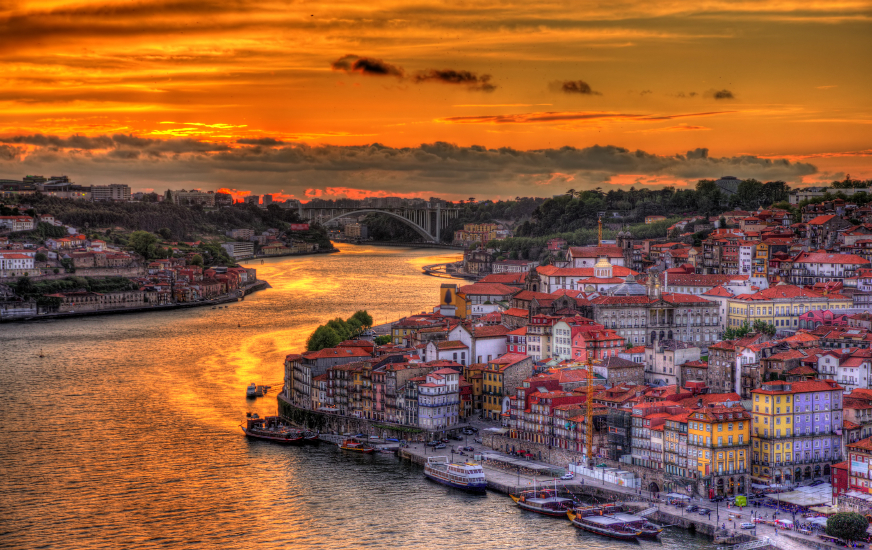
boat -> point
(311, 437)
(544, 501)
(646, 529)
(606, 526)
(271, 429)
(466, 476)
(41, 354)
(251, 391)
(356, 446)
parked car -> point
(457, 437)
(432, 443)
(704, 511)
(691, 508)
(477, 440)
(568, 475)
(747, 525)
(467, 448)
(717, 498)
(440, 446)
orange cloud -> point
(645, 179)
(237, 195)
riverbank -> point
(441, 270)
(234, 297)
(289, 254)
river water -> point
(126, 434)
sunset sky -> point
(413, 98)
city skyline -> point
(415, 100)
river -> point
(126, 434)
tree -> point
(764, 327)
(23, 286)
(363, 317)
(197, 260)
(142, 242)
(323, 337)
(382, 340)
(165, 233)
(341, 328)
(849, 526)
(41, 257)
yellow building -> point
(719, 440)
(781, 305)
(772, 434)
(503, 376)
(761, 261)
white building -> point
(439, 400)
(111, 192)
(849, 369)
(664, 359)
(239, 250)
(746, 256)
(17, 223)
(14, 264)
(447, 350)
(484, 343)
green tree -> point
(165, 233)
(849, 526)
(363, 317)
(23, 286)
(40, 257)
(341, 328)
(323, 337)
(382, 340)
(197, 260)
(763, 327)
(142, 242)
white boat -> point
(466, 475)
(251, 391)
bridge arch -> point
(421, 231)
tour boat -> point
(271, 429)
(606, 526)
(466, 476)
(646, 529)
(251, 391)
(544, 501)
(356, 446)
(310, 437)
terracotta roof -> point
(516, 312)
(778, 292)
(490, 331)
(504, 278)
(863, 444)
(826, 258)
(450, 344)
(596, 251)
(554, 271)
(488, 289)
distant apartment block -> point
(190, 198)
(252, 199)
(239, 250)
(241, 234)
(267, 200)
(356, 231)
(111, 192)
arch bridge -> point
(426, 221)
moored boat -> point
(646, 529)
(545, 502)
(466, 476)
(606, 526)
(271, 429)
(356, 446)
(251, 391)
(311, 437)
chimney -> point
(699, 403)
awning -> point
(759, 486)
(677, 495)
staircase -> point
(648, 511)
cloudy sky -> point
(423, 98)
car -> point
(747, 525)
(457, 437)
(704, 511)
(567, 475)
(467, 448)
(440, 446)
(691, 508)
(717, 498)
(477, 440)
(433, 443)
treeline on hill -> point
(183, 223)
(579, 210)
(387, 228)
(337, 330)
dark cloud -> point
(451, 76)
(366, 65)
(266, 142)
(645, 92)
(573, 87)
(722, 94)
(436, 168)
(688, 94)
(568, 116)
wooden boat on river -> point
(606, 526)
(646, 529)
(544, 501)
(270, 428)
(356, 446)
